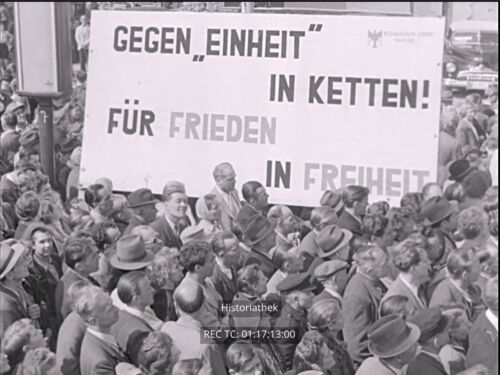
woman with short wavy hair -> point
(246, 358)
(157, 354)
(313, 353)
(27, 211)
(326, 317)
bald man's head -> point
(189, 297)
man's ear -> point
(78, 267)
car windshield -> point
(475, 38)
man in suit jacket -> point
(198, 259)
(413, 265)
(333, 277)
(362, 298)
(458, 287)
(228, 258)
(100, 352)
(466, 133)
(226, 194)
(131, 321)
(259, 234)
(296, 290)
(82, 259)
(355, 200)
(256, 199)
(186, 331)
(433, 337)
(174, 220)
(143, 203)
(483, 335)
(448, 145)
(70, 336)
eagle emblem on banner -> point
(374, 38)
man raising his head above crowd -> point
(226, 194)
(256, 199)
(171, 224)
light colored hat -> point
(131, 253)
(193, 233)
(9, 256)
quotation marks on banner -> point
(315, 27)
(199, 58)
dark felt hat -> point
(329, 268)
(431, 323)
(141, 197)
(331, 239)
(295, 282)
(436, 209)
(391, 335)
(332, 199)
(258, 228)
(459, 169)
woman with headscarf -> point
(208, 210)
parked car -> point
(471, 55)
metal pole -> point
(247, 6)
(46, 131)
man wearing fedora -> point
(260, 236)
(320, 218)
(143, 203)
(15, 302)
(132, 255)
(442, 217)
(225, 192)
(256, 199)
(171, 224)
(434, 336)
(459, 170)
(393, 344)
(355, 199)
(333, 199)
(228, 260)
(362, 299)
(333, 277)
(332, 243)
(296, 290)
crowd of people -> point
(93, 281)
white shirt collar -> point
(464, 293)
(333, 293)
(107, 338)
(172, 225)
(413, 288)
(492, 318)
(435, 356)
(134, 311)
(225, 195)
(494, 240)
(225, 270)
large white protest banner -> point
(302, 103)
